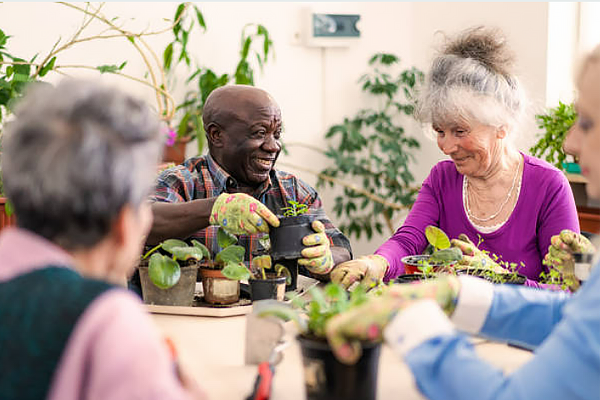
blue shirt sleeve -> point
(566, 364)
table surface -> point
(212, 350)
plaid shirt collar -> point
(224, 181)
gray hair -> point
(74, 157)
(472, 80)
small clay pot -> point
(181, 294)
(217, 288)
(271, 288)
(286, 240)
(412, 264)
(326, 378)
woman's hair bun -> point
(486, 45)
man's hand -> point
(560, 254)
(473, 257)
(368, 270)
(242, 214)
(367, 322)
(317, 257)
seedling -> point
(262, 263)
(294, 209)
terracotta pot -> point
(5, 220)
(412, 264)
(176, 153)
(217, 288)
(182, 294)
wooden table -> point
(212, 349)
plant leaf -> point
(437, 238)
(187, 252)
(164, 272)
(49, 65)
(235, 271)
(203, 248)
(281, 270)
(231, 254)
(169, 244)
(225, 239)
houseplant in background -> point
(555, 123)
(372, 148)
(326, 377)
(256, 44)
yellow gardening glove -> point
(560, 254)
(241, 214)
(368, 270)
(367, 322)
(473, 257)
(317, 257)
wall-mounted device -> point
(330, 29)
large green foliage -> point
(373, 148)
(556, 123)
(256, 44)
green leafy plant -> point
(256, 44)
(230, 259)
(262, 263)
(312, 315)
(556, 124)
(294, 209)
(372, 148)
(165, 270)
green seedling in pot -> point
(262, 263)
(294, 209)
(442, 253)
(231, 257)
(165, 270)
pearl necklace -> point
(491, 217)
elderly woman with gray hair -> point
(78, 164)
(488, 193)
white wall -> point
(314, 87)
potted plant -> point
(221, 276)
(556, 124)
(268, 285)
(442, 257)
(325, 377)
(170, 279)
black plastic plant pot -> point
(270, 288)
(286, 240)
(501, 278)
(326, 378)
(410, 278)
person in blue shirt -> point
(423, 322)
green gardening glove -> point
(473, 257)
(367, 321)
(241, 214)
(368, 270)
(317, 257)
(560, 254)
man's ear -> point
(214, 134)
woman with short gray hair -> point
(489, 193)
(78, 163)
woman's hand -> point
(473, 257)
(368, 270)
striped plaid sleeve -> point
(174, 185)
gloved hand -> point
(317, 255)
(241, 214)
(367, 322)
(368, 270)
(473, 257)
(560, 254)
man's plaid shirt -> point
(201, 178)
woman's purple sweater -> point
(544, 208)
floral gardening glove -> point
(367, 321)
(241, 214)
(369, 270)
(317, 257)
(560, 254)
(473, 257)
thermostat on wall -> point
(331, 30)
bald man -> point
(237, 186)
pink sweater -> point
(114, 351)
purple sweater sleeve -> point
(410, 238)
